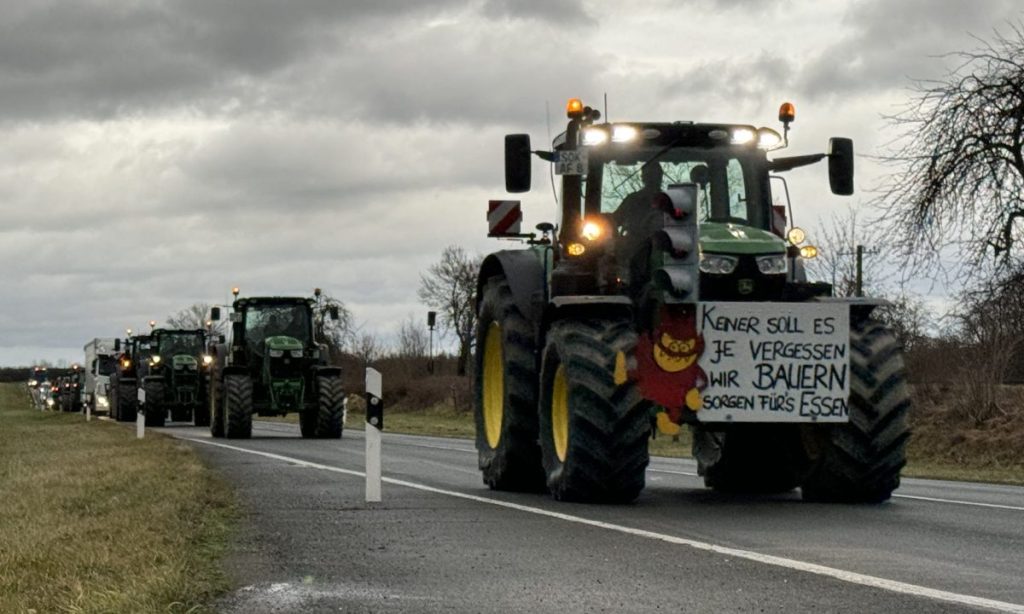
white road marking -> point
(767, 559)
(672, 472)
(976, 503)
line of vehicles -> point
(269, 363)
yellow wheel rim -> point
(560, 413)
(494, 385)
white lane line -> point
(975, 503)
(767, 559)
(694, 474)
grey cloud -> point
(563, 12)
(893, 42)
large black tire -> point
(860, 461)
(588, 398)
(125, 402)
(156, 413)
(330, 406)
(752, 458)
(237, 406)
(216, 405)
(505, 393)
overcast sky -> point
(153, 154)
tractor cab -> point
(179, 357)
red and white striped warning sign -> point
(503, 218)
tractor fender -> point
(587, 306)
(326, 371)
(525, 275)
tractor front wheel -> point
(505, 393)
(237, 407)
(594, 425)
(330, 405)
(860, 461)
(156, 415)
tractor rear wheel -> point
(237, 406)
(216, 405)
(505, 393)
(330, 405)
(860, 461)
(156, 415)
(756, 458)
(594, 425)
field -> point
(95, 520)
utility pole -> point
(860, 271)
(431, 320)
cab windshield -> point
(728, 182)
(173, 345)
(262, 321)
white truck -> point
(100, 362)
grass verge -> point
(94, 520)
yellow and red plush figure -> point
(668, 370)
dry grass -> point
(94, 520)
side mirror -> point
(333, 312)
(215, 313)
(117, 345)
(840, 166)
(517, 163)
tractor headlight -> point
(156, 359)
(49, 402)
(125, 363)
(102, 402)
(623, 134)
(276, 353)
(207, 359)
(296, 353)
(594, 136)
(592, 230)
(742, 136)
(32, 382)
(717, 264)
(774, 264)
(768, 139)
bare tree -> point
(909, 319)
(338, 334)
(449, 286)
(368, 348)
(991, 322)
(193, 317)
(837, 240)
(958, 166)
(412, 339)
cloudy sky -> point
(155, 153)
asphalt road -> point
(441, 541)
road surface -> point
(441, 541)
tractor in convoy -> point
(38, 383)
(270, 364)
(71, 389)
(131, 368)
(672, 293)
(178, 368)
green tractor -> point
(271, 365)
(178, 375)
(132, 363)
(672, 294)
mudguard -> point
(321, 370)
(525, 275)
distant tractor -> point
(132, 365)
(37, 383)
(271, 365)
(71, 389)
(178, 370)
(671, 292)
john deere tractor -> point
(672, 293)
(178, 374)
(271, 365)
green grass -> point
(94, 520)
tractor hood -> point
(283, 343)
(184, 361)
(719, 238)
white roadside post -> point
(140, 415)
(374, 425)
(88, 412)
